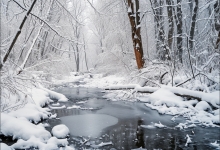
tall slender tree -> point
(161, 42)
(134, 18)
(217, 22)
(193, 25)
(179, 25)
(170, 22)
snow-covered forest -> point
(160, 54)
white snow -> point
(215, 144)
(4, 146)
(148, 126)
(59, 107)
(181, 126)
(188, 140)
(159, 125)
(21, 128)
(203, 105)
(60, 131)
(17, 123)
(56, 104)
(129, 10)
(74, 107)
(40, 97)
(31, 112)
(102, 144)
(212, 98)
(216, 112)
(53, 116)
(43, 96)
(164, 97)
(55, 95)
(51, 144)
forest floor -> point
(198, 108)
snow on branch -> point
(46, 23)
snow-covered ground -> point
(164, 99)
(23, 124)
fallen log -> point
(211, 98)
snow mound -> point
(51, 144)
(21, 128)
(4, 146)
(35, 113)
(55, 95)
(165, 97)
(216, 112)
(43, 96)
(212, 98)
(60, 131)
(203, 105)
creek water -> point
(120, 122)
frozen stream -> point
(101, 120)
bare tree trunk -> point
(84, 47)
(161, 45)
(218, 41)
(33, 43)
(17, 34)
(170, 22)
(179, 31)
(193, 24)
(30, 49)
(217, 22)
(134, 17)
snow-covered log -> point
(212, 98)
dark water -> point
(120, 122)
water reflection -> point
(140, 134)
(131, 116)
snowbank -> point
(31, 112)
(166, 102)
(40, 97)
(212, 98)
(51, 144)
(43, 96)
(17, 123)
(21, 128)
(164, 97)
(55, 95)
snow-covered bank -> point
(23, 124)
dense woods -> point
(53, 38)
(94, 74)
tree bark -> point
(170, 22)
(161, 45)
(134, 18)
(179, 31)
(193, 24)
(217, 22)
